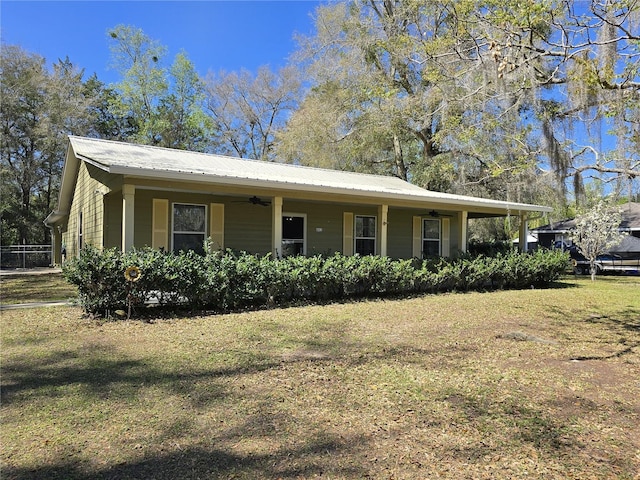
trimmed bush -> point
(228, 281)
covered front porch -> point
(285, 224)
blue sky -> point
(216, 35)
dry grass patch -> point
(45, 287)
(528, 384)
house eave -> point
(96, 164)
(537, 231)
(432, 198)
(55, 218)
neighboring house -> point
(532, 242)
(122, 195)
(621, 258)
(561, 233)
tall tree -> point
(358, 88)
(108, 123)
(579, 63)
(182, 122)
(138, 59)
(482, 97)
(248, 110)
(22, 107)
(38, 109)
(397, 76)
(165, 105)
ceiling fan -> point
(255, 201)
(435, 214)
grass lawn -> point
(45, 287)
(515, 384)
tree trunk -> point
(25, 210)
(399, 158)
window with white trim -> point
(365, 235)
(431, 238)
(293, 234)
(189, 227)
(80, 232)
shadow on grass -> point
(101, 376)
(312, 459)
(627, 319)
(618, 354)
(36, 288)
(623, 323)
(528, 424)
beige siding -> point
(400, 233)
(324, 226)
(88, 199)
(113, 220)
(247, 227)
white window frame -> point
(173, 222)
(356, 237)
(304, 230)
(425, 239)
(80, 230)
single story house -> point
(532, 242)
(561, 233)
(116, 194)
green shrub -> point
(226, 281)
(99, 277)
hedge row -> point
(109, 280)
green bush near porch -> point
(228, 281)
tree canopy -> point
(164, 104)
(248, 110)
(521, 101)
(39, 108)
(473, 96)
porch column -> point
(276, 225)
(128, 197)
(383, 211)
(523, 234)
(462, 230)
(56, 246)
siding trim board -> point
(216, 225)
(347, 233)
(160, 224)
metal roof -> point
(630, 213)
(630, 216)
(164, 163)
